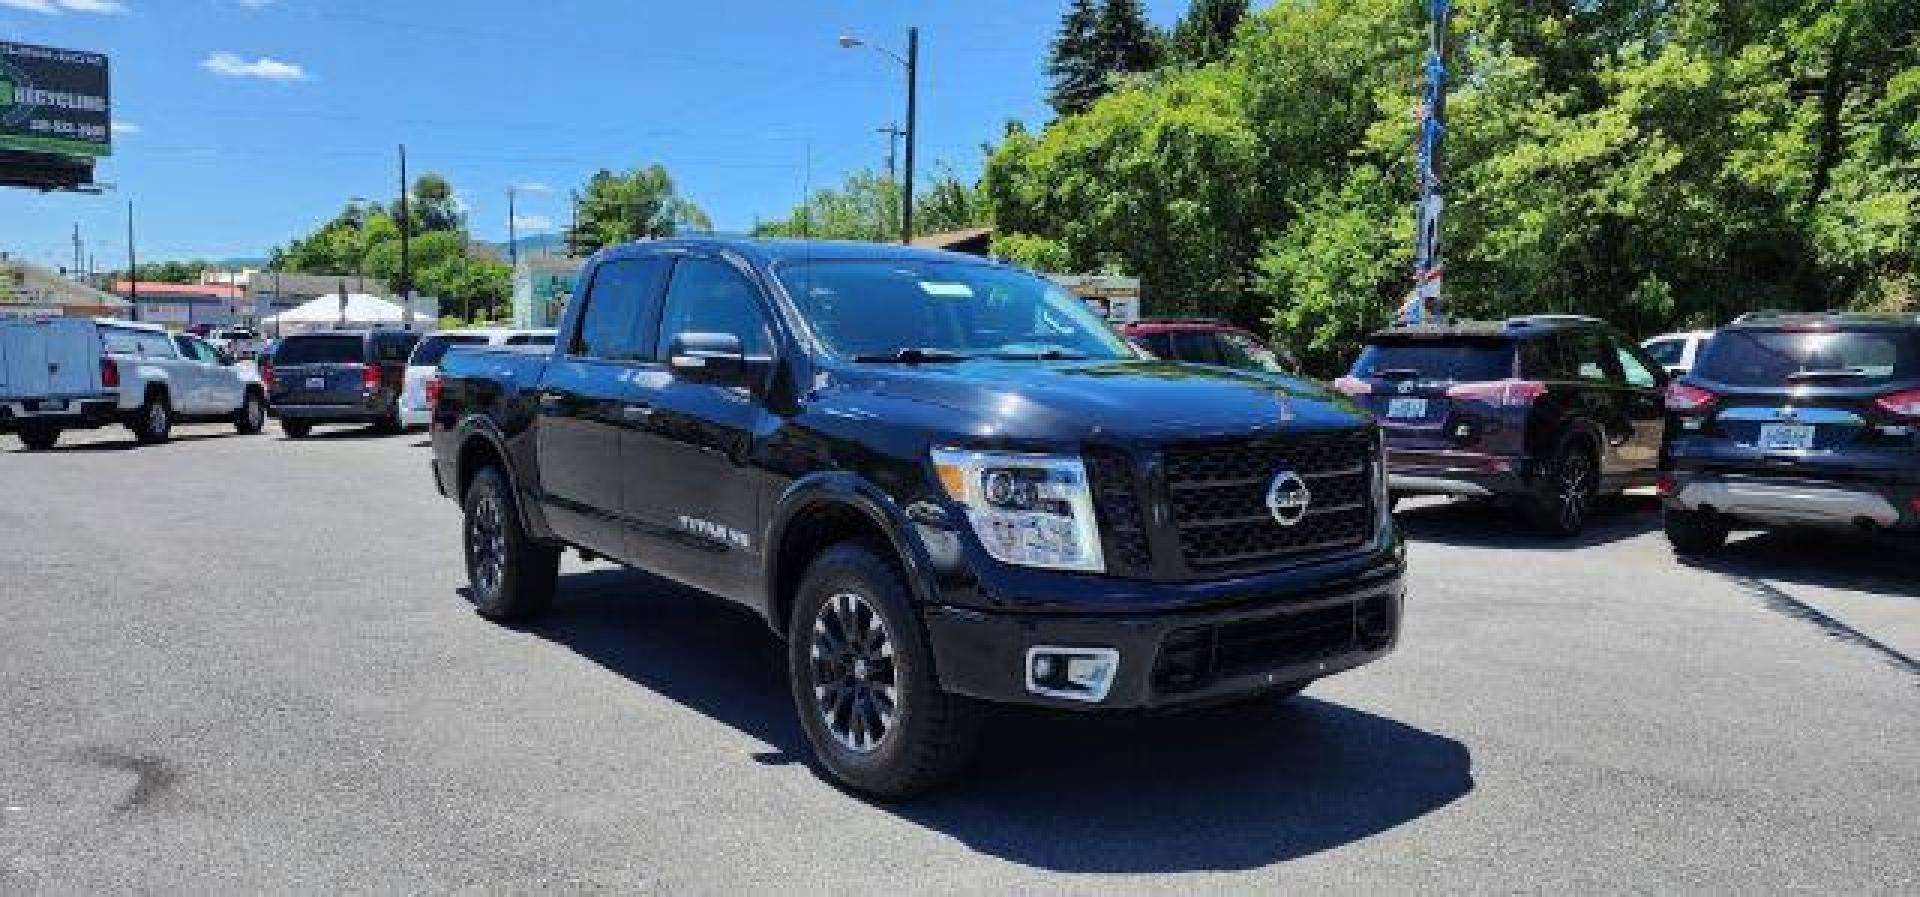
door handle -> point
(636, 412)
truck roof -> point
(777, 251)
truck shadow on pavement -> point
(1880, 564)
(121, 445)
(1474, 524)
(1229, 788)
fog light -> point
(1076, 674)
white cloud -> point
(56, 7)
(126, 127)
(233, 66)
(533, 187)
(533, 223)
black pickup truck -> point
(943, 480)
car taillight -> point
(1501, 393)
(1353, 386)
(109, 374)
(433, 393)
(266, 373)
(1901, 404)
(1682, 397)
(370, 377)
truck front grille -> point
(1123, 526)
(1217, 494)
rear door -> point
(589, 396)
(319, 369)
(1407, 377)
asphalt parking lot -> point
(244, 663)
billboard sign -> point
(54, 101)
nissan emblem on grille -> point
(1287, 498)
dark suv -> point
(1805, 419)
(1547, 411)
(1207, 341)
(338, 377)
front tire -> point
(252, 416)
(1572, 484)
(512, 576)
(1695, 532)
(39, 439)
(861, 671)
(153, 423)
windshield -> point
(1776, 357)
(319, 350)
(1239, 350)
(434, 348)
(1466, 360)
(881, 308)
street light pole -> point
(133, 273)
(406, 258)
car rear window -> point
(1461, 359)
(1667, 351)
(341, 349)
(434, 348)
(1776, 357)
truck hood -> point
(1064, 402)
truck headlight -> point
(1031, 510)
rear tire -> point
(861, 671)
(39, 439)
(512, 576)
(296, 429)
(252, 416)
(1695, 532)
(153, 423)
(1572, 483)
(389, 423)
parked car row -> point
(60, 374)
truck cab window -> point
(618, 305)
(706, 296)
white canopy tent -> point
(352, 310)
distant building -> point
(35, 291)
(541, 287)
(972, 241)
(186, 304)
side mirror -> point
(714, 358)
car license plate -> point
(1406, 407)
(52, 405)
(316, 383)
(1786, 437)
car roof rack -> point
(1524, 320)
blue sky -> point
(243, 122)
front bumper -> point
(1177, 658)
(1795, 501)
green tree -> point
(1076, 68)
(1126, 43)
(619, 207)
(1205, 33)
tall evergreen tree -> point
(1076, 67)
(1127, 44)
(1206, 31)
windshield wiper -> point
(1829, 374)
(910, 355)
(1048, 355)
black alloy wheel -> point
(855, 685)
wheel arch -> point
(821, 511)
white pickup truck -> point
(59, 374)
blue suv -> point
(1793, 420)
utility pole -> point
(913, 98)
(513, 239)
(133, 279)
(894, 133)
(79, 268)
(1428, 269)
(406, 257)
